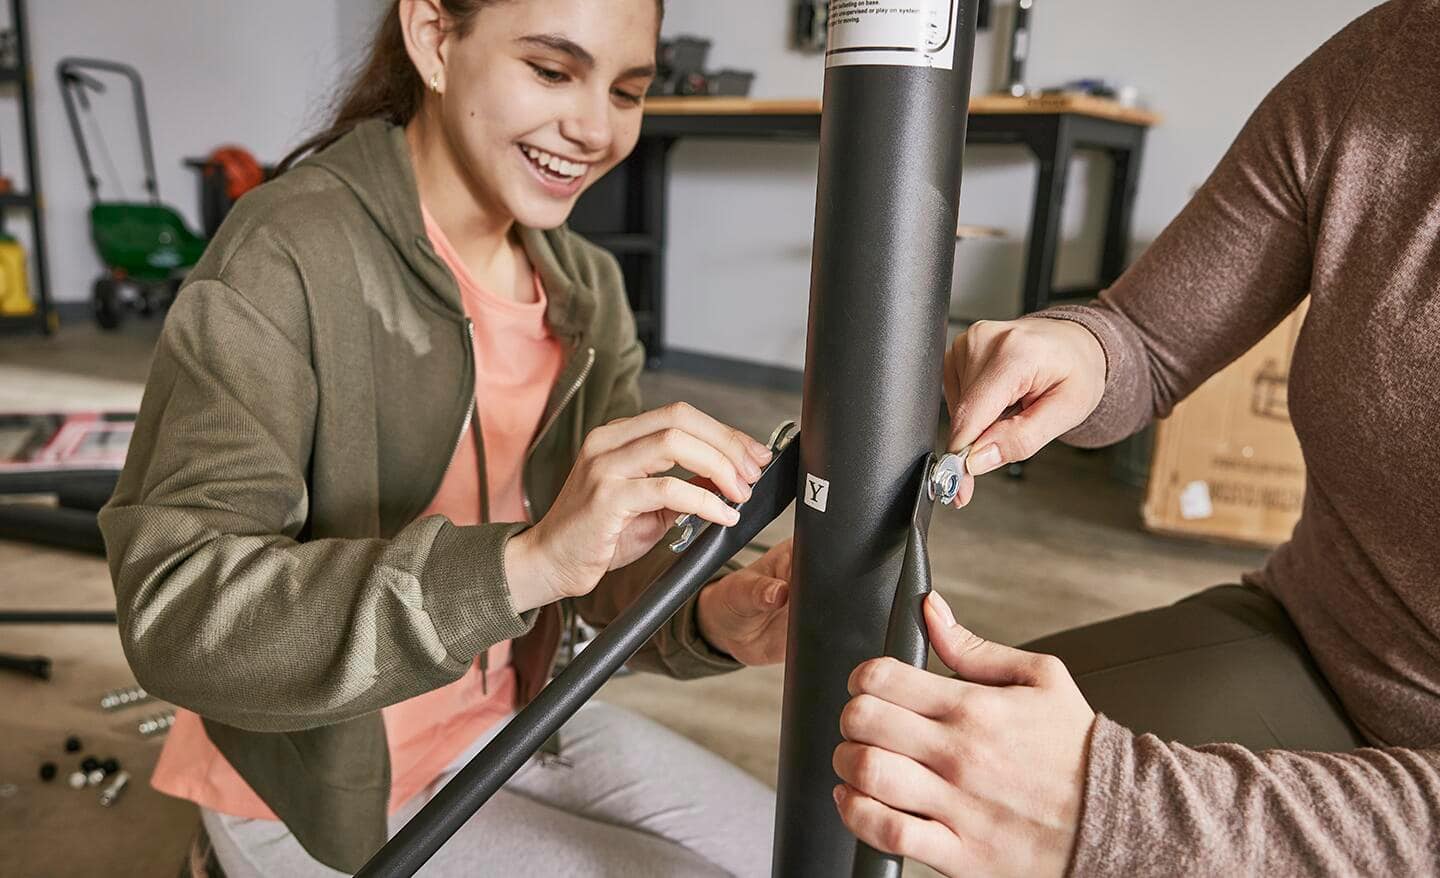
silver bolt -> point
(93, 778)
(156, 723)
(118, 698)
(944, 483)
(117, 786)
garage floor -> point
(1059, 548)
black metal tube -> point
(37, 666)
(1019, 49)
(57, 617)
(52, 526)
(524, 735)
(891, 144)
(905, 639)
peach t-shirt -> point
(517, 362)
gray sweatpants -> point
(631, 798)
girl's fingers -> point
(658, 452)
(746, 454)
(639, 496)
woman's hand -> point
(1054, 370)
(613, 507)
(747, 614)
(980, 774)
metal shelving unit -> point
(20, 79)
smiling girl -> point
(392, 440)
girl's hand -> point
(980, 774)
(1053, 369)
(747, 614)
(614, 508)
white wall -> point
(259, 73)
(742, 213)
(256, 73)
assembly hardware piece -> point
(156, 723)
(944, 482)
(690, 525)
(116, 787)
(124, 697)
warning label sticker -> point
(904, 33)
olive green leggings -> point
(1225, 665)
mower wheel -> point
(109, 310)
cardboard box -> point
(1227, 465)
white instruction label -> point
(817, 492)
(896, 33)
(1195, 502)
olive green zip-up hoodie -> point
(310, 387)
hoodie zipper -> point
(569, 395)
(567, 612)
(469, 412)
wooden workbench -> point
(626, 211)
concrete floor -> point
(1059, 548)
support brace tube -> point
(524, 735)
(906, 640)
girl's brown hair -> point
(388, 86)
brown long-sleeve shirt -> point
(1332, 190)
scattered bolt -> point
(156, 723)
(89, 764)
(118, 698)
(72, 744)
(110, 766)
(7, 790)
(117, 786)
(77, 780)
(47, 771)
(93, 778)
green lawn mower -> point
(145, 246)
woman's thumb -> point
(971, 656)
(1018, 437)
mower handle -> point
(73, 82)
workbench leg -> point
(1120, 219)
(1044, 241)
(651, 207)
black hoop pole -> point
(891, 143)
(524, 735)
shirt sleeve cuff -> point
(1109, 777)
(465, 590)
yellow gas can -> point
(14, 297)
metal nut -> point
(118, 698)
(945, 478)
(156, 723)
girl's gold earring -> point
(435, 82)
